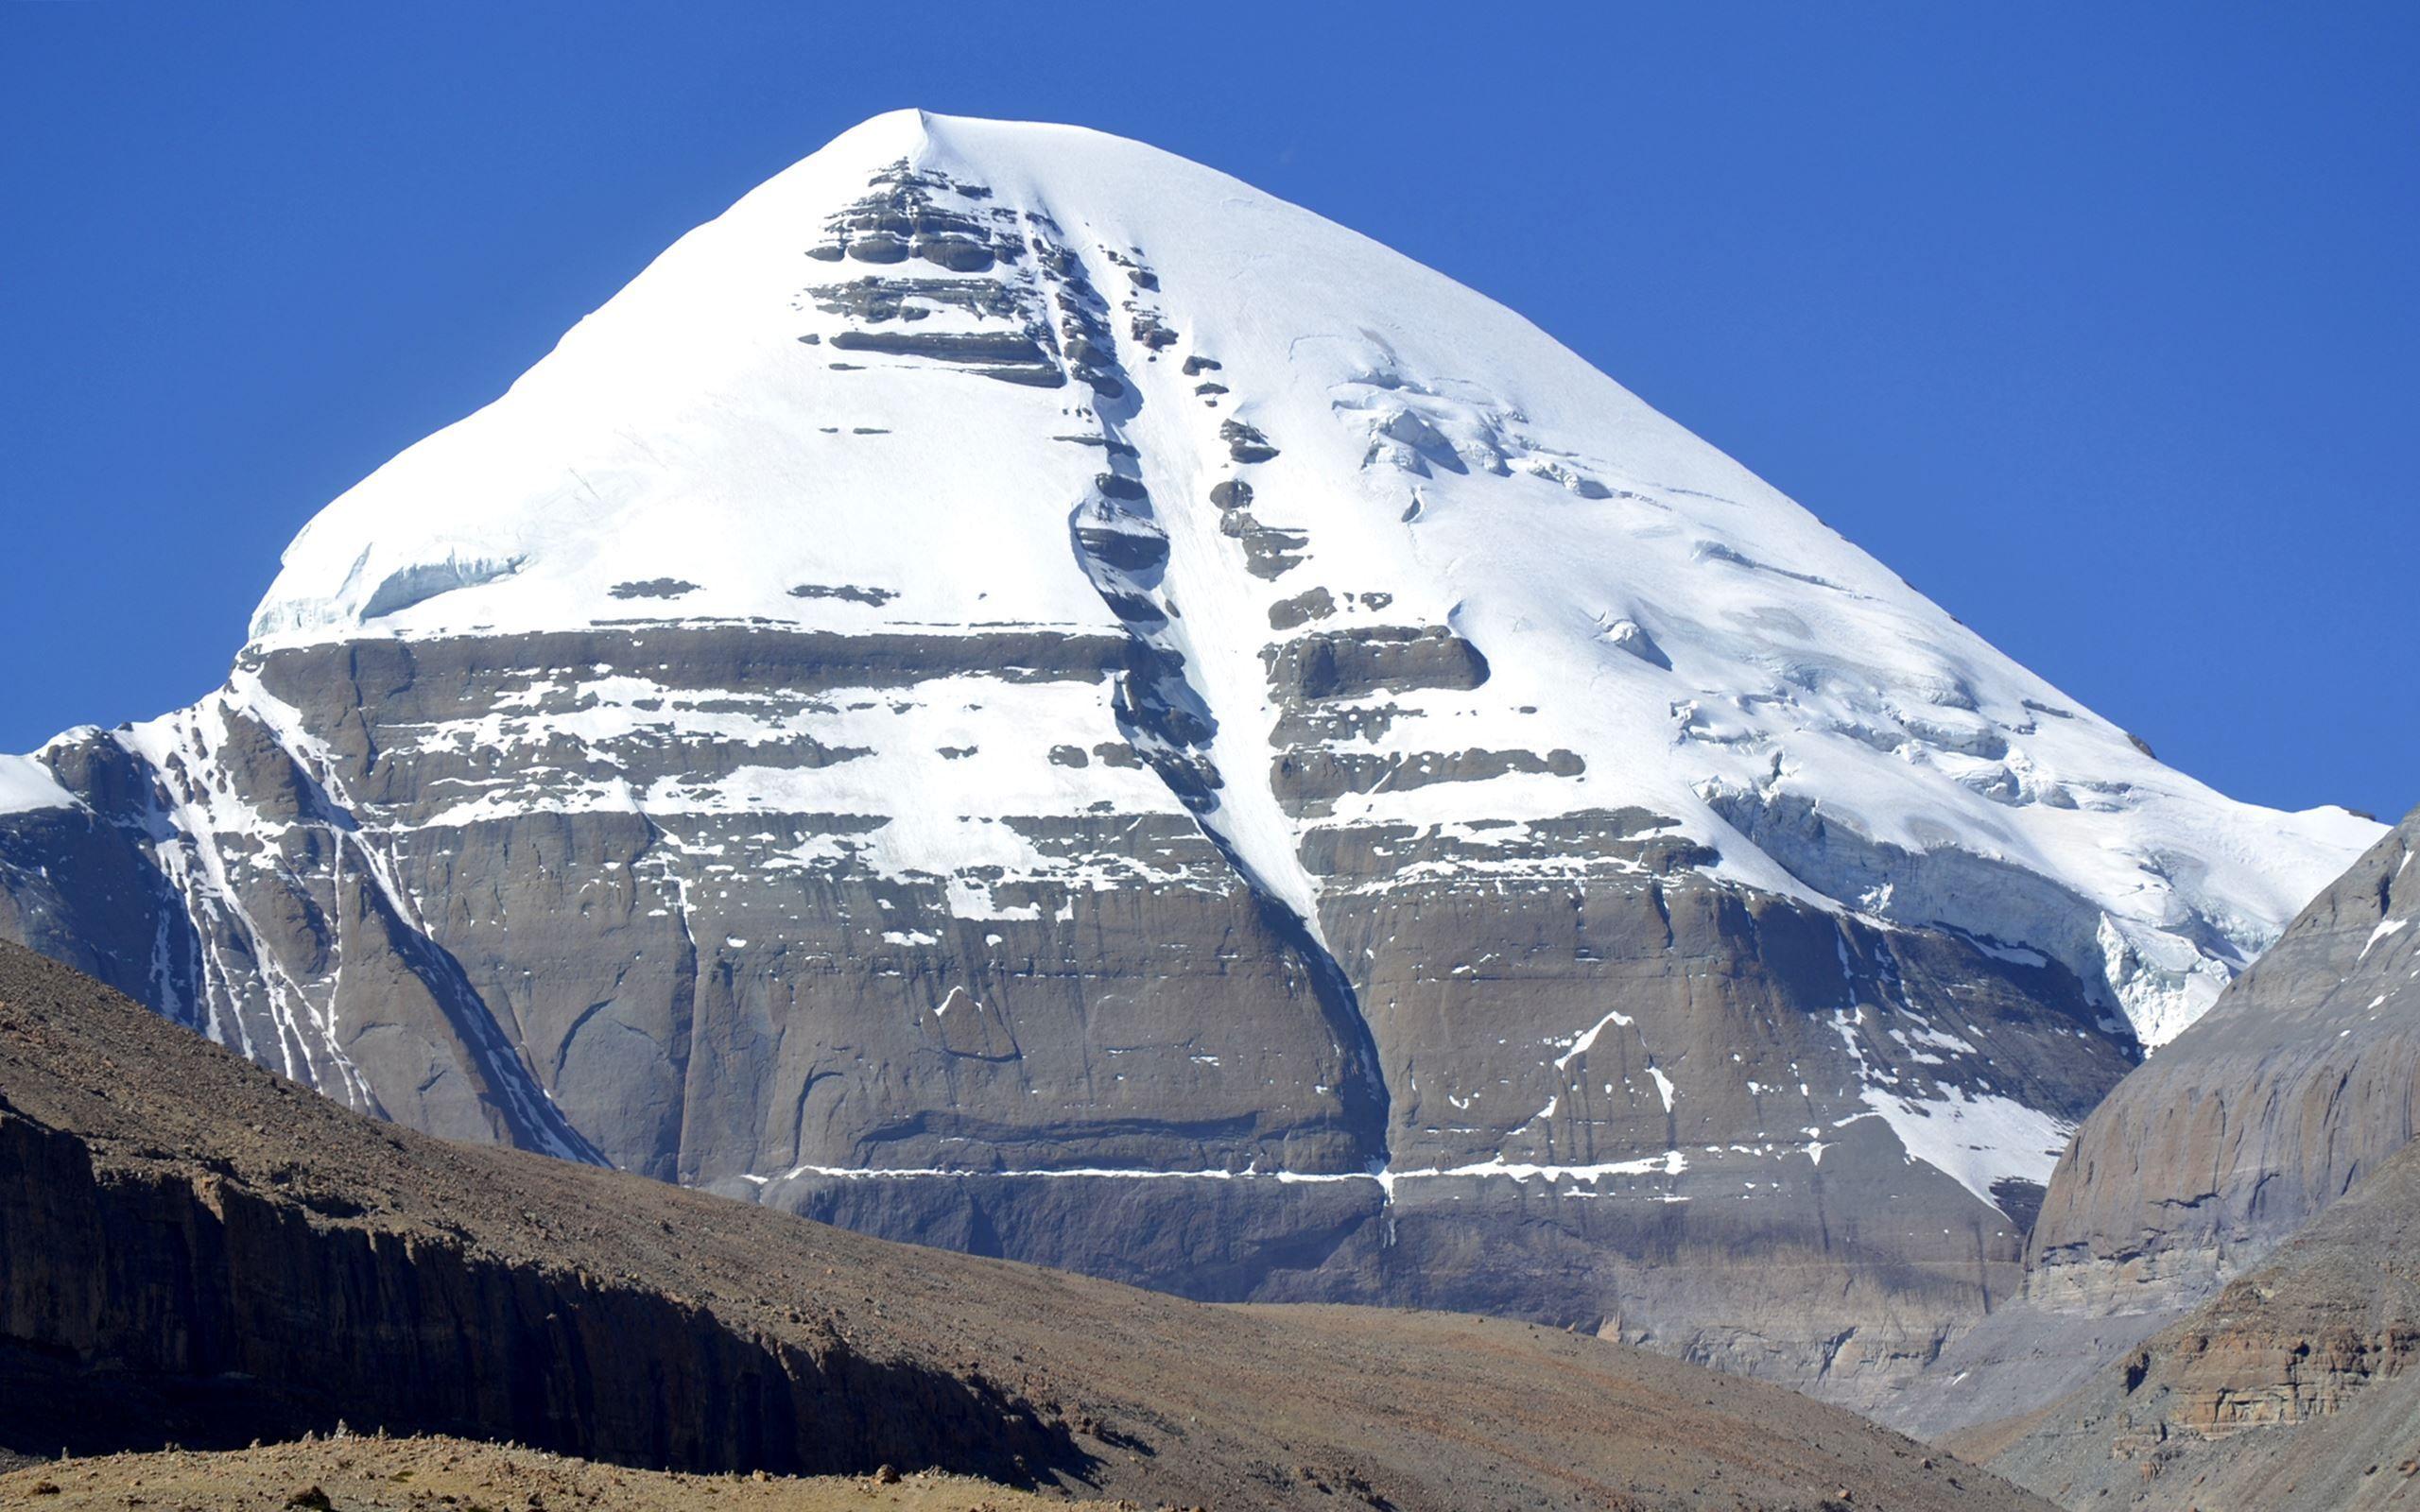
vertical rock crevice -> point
(1164, 710)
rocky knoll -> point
(2291, 1387)
(361, 1472)
(193, 1249)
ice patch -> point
(1588, 1036)
(1671, 1163)
(1974, 1141)
(1663, 1085)
(958, 997)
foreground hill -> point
(1016, 691)
(194, 1250)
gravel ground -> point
(364, 1474)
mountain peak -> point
(949, 372)
(1013, 689)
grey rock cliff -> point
(2292, 1387)
(2303, 1080)
(2291, 1092)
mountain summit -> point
(885, 389)
(1014, 691)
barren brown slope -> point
(193, 1249)
(2292, 1387)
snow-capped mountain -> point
(1014, 691)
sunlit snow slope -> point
(1710, 650)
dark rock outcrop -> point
(222, 1314)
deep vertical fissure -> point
(1164, 710)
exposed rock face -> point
(193, 1250)
(2294, 1386)
(174, 1283)
(872, 725)
(2303, 1080)
(846, 1045)
(1535, 1199)
(707, 993)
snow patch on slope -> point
(25, 784)
(2386, 928)
(1975, 1140)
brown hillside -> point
(193, 1249)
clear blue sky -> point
(2096, 322)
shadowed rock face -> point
(177, 1284)
(2303, 1080)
